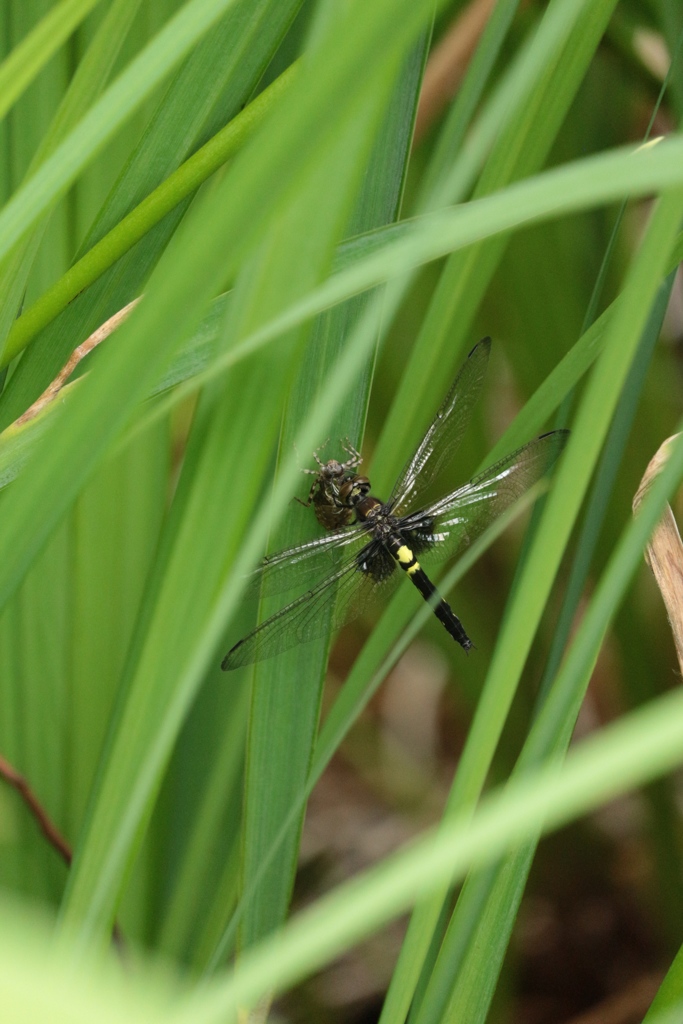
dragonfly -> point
(371, 544)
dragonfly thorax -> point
(376, 515)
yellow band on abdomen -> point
(407, 559)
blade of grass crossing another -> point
(609, 464)
(413, 243)
(486, 908)
(39, 689)
(646, 743)
(107, 115)
(142, 219)
(210, 536)
(91, 707)
(567, 38)
(557, 59)
(435, 182)
(213, 83)
(562, 506)
(549, 739)
(283, 718)
(28, 57)
(279, 707)
(86, 85)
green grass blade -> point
(279, 709)
(204, 544)
(669, 994)
(563, 48)
(107, 115)
(26, 60)
(642, 745)
(87, 83)
(435, 186)
(605, 477)
(487, 907)
(539, 571)
(211, 86)
(135, 225)
(599, 179)
(183, 913)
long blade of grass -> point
(562, 50)
(538, 574)
(204, 544)
(642, 745)
(486, 909)
(135, 225)
(435, 187)
(107, 115)
(26, 60)
(87, 83)
(427, 238)
(209, 88)
(279, 768)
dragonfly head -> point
(354, 490)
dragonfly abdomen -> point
(416, 574)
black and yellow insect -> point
(380, 537)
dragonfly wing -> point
(339, 598)
(303, 565)
(439, 444)
(450, 525)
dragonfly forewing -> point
(446, 431)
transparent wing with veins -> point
(305, 564)
(448, 526)
(443, 437)
(339, 598)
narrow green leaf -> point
(488, 905)
(627, 754)
(209, 88)
(19, 69)
(107, 115)
(279, 767)
(569, 189)
(182, 183)
(198, 589)
(87, 83)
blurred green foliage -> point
(133, 505)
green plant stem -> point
(188, 177)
